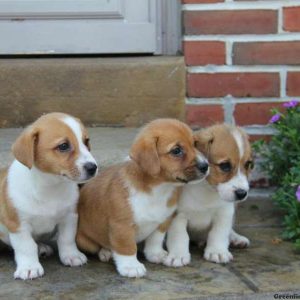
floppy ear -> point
(88, 144)
(144, 153)
(203, 140)
(24, 147)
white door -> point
(77, 26)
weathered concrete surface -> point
(267, 267)
(105, 91)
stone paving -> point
(268, 267)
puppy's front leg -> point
(26, 255)
(178, 243)
(67, 249)
(154, 251)
(124, 249)
(218, 238)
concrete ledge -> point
(100, 91)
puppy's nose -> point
(240, 194)
(202, 166)
(90, 168)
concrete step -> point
(101, 91)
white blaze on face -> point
(84, 154)
(239, 181)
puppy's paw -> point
(132, 269)
(239, 241)
(30, 271)
(219, 256)
(156, 257)
(104, 255)
(44, 250)
(73, 258)
(177, 260)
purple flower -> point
(290, 104)
(275, 118)
(298, 193)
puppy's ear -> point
(203, 140)
(24, 147)
(144, 153)
(87, 143)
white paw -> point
(104, 255)
(132, 270)
(177, 260)
(44, 250)
(30, 271)
(73, 258)
(239, 241)
(219, 256)
(156, 257)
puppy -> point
(39, 191)
(208, 207)
(135, 200)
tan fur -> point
(8, 214)
(175, 197)
(105, 215)
(219, 145)
(165, 226)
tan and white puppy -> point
(207, 209)
(134, 201)
(39, 191)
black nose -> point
(90, 168)
(202, 166)
(240, 194)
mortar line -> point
(249, 283)
(283, 83)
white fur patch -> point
(239, 141)
(85, 156)
(150, 209)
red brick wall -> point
(242, 59)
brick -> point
(293, 84)
(203, 53)
(291, 18)
(257, 137)
(198, 116)
(235, 84)
(200, 1)
(254, 113)
(266, 53)
(230, 22)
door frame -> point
(168, 27)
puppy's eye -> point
(64, 147)
(177, 151)
(87, 142)
(225, 166)
(249, 165)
